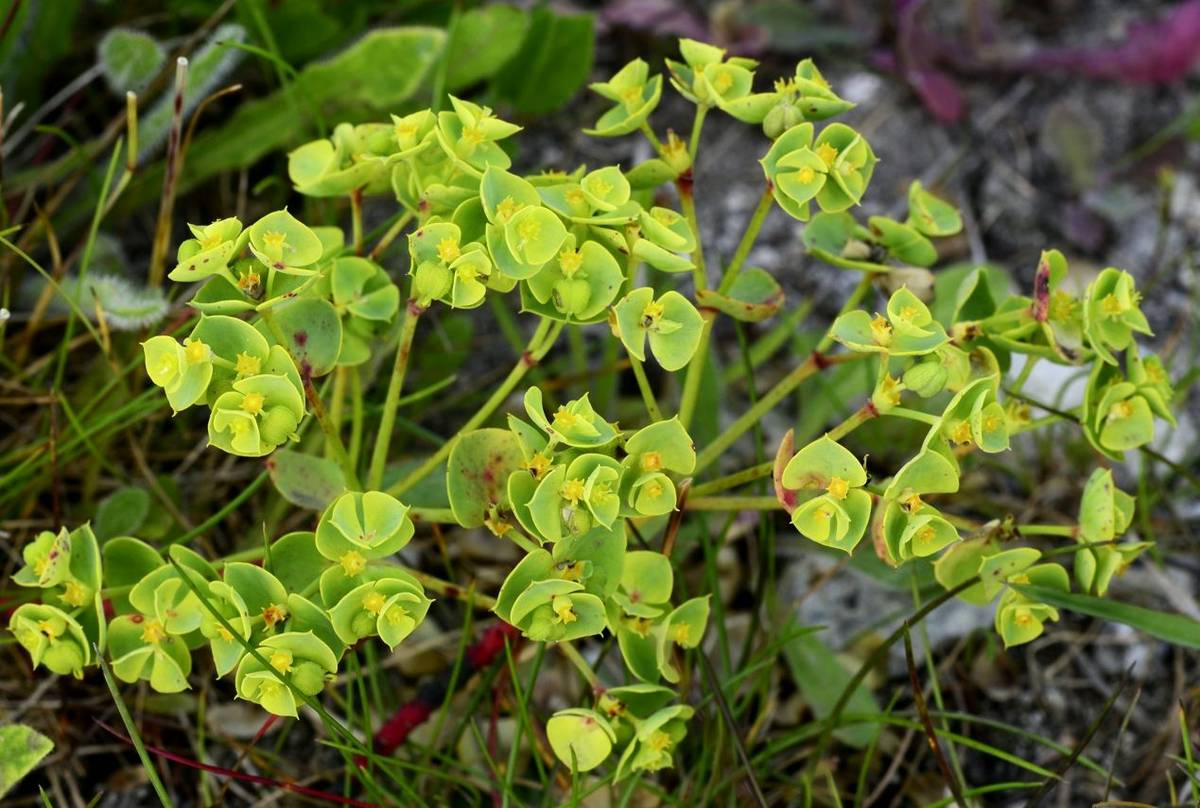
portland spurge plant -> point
(594, 503)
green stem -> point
(387, 420)
(389, 236)
(539, 345)
(734, 480)
(697, 125)
(695, 372)
(575, 658)
(914, 415)
(436, 516)
(1023, 376)
(747, 243)
(856, 419)
(688, 203)
(639, 372)
(356, 225)
(814, 364)
(1070, 531)
(653, 138)
(746, 503)
(332, 439)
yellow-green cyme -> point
(354, 159)
(1118, 412)
(52, 637)
(911, 527)
(839, 516)
(571, 498)
(577, 285)
(575, 423)
(653, 746)
(908, 329)
(635, 94)
(664, 234)
(557, 610)
(141, 648)
(806, 96)
(974, 417)
(1105, 513)
(389, 607)
(1111, 313)
(468, 135)
(833, 169)
(209, 251)
(371, 524)
(182, 371)
(670, 323)
(304, 659)
(259, 414)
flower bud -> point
(279, 424)
(431, 281)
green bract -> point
(52, 637)
(670, 322)
(582, 739)
(301, 657)
(359, 527)
(908, 329)
(837, 518)
(1105, 513)
(468, 135)
(1111, 315)
(259, 414)
(635, 94)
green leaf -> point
(477, 473)
(931, 215)
(121, 513)
(1177, 629)
(311, 331)
(483, 41)
(754, 296)
(820, 675)
(306, 480)
(21, 748)
(130, 59)
(554, 61)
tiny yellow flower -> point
(838, 488)
(153, 631)
(572, 490)
(373, 603)
(448, 250)
(352, 563)
(281, 661)
(248, 365)
(253, 403)
(195, 351)
(828, 153)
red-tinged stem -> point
(247, 778)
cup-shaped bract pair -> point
(833, 170)
(243, 595)
(255, 417)
(575, 424)
(807, 96)
(52, 637)
(182, 371)
(389, 606)
(353, 160)
(577, 285)
(295, 659)
(1112, 314)
(670, 323)
(911, 527)
(908, 329)
(571, 498)
(706, 77)
(653, 746)
(209, 251)
(664, 234)
(1020, 617)
(1119, 411)
(839, 516)
(651, 453)
(468, 134)
(635, 94)
(285, 244)
(360, 527)
(522, 235)
(554, 597)
(366, 299)
(1105, 513)
(975, 417)
(65, 564)
(141, 647)
(445, 269)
